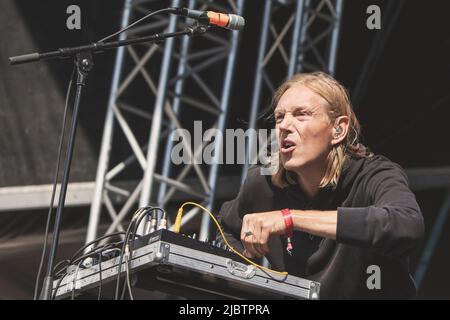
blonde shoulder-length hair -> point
(338, 104)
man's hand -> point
(257, 229)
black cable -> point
(55, 182)
(95, 241)
(125, 242)
(96, 250)
(100, 275)
(127, 268)
(135, 23)
(89, 254)
(124, 290)
(100, 250)
(139, 216)
(116, 296)
(131, 248)
(74, 282)
(142, 217)
(79, 260)
(58, 285)
(60, 264)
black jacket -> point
(379, 223)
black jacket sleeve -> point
(392, 223)
(232, 212)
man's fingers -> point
(244, 228)
(247, 254)
(254, 237)
(265, 234)
(257, 241)
(246, 235)
(250, 246)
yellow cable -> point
(177, 226)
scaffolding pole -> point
(108, 133)
(206, 220)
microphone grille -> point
(236, 22)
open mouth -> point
(287, 146)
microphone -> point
(223, 20)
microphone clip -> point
(197, 29)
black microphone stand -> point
(84, 64)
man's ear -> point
(340, 129)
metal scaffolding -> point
(171, 109)
(313, 28)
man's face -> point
(303, 129)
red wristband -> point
(288, 222)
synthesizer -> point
(184, 267)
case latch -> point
(240, 270)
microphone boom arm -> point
(99, 47)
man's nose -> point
(286, 122)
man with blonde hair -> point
(333, 211)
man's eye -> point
(302, 114)
(279, 118)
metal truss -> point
(307, 40)
(319, 36)
(170, 106)
(433, 240)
